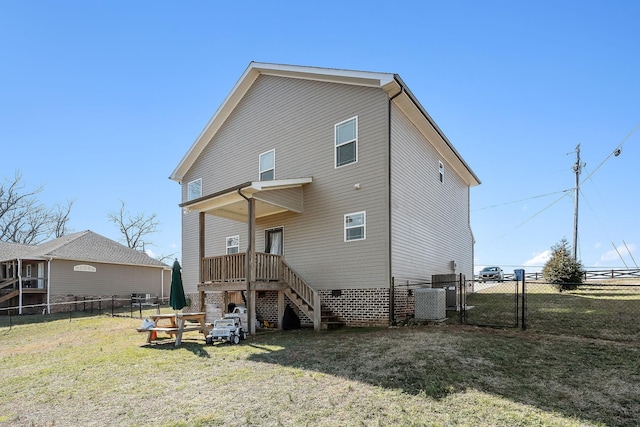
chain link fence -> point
(601, 309)
(135, 306)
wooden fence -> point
(588, 274)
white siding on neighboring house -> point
(296, 117)
(430, 219)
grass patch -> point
(97, 371)
(594, 311)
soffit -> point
(232, 205)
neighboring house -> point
(83, 264)
(332, 188)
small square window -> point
(268, 166)
(355, 226)
(194, 189)
(346, 142)
(336, 293)
(233, 245)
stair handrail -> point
(9, 282)
(303, 290)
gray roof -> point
(9, 251)
(82, 246)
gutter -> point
(392, 290)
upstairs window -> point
(194, 189)
(233, 245)
(441, 171)
(346, 142)
(355, 226)
(268, 166)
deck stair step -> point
(329, 320)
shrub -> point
(561, 269)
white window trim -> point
(226, 244)
(260, 171)
(441, 171)
(336, 145)
(189, 189)
(363, 225)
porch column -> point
(251, 264)
(280, 309)
(201, 227)
(19, 286)
(48, 282)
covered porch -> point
(253, 271)
(23, 283)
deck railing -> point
(231, 268)
(268, 268)
(226, 268)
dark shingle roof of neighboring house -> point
(81, 246)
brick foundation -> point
(355, 307)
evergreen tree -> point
(561, 269)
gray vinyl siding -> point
(291, 197)
(296, 118)
(108, 279)
(430, 219)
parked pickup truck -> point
(228, 329)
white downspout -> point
(161, 284)
(19, 286)
(49, 286)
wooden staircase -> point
(10, 295)
(308, 301)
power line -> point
(522, 200)
(616, 152)
(534, 215)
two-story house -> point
(323, 189)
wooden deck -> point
(267, 272)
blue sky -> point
(100, 100)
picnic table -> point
(175, 324)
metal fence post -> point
(524, 302)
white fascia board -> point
(334, 75)
(279, 184)
(233, 98)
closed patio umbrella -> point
(177, 299)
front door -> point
(274, 241)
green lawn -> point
(96, 370)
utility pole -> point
(577, 168)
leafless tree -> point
(134, 227)
(23, 219)
(166, 258)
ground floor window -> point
(355, 226)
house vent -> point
(84, 267)
(431, 304)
